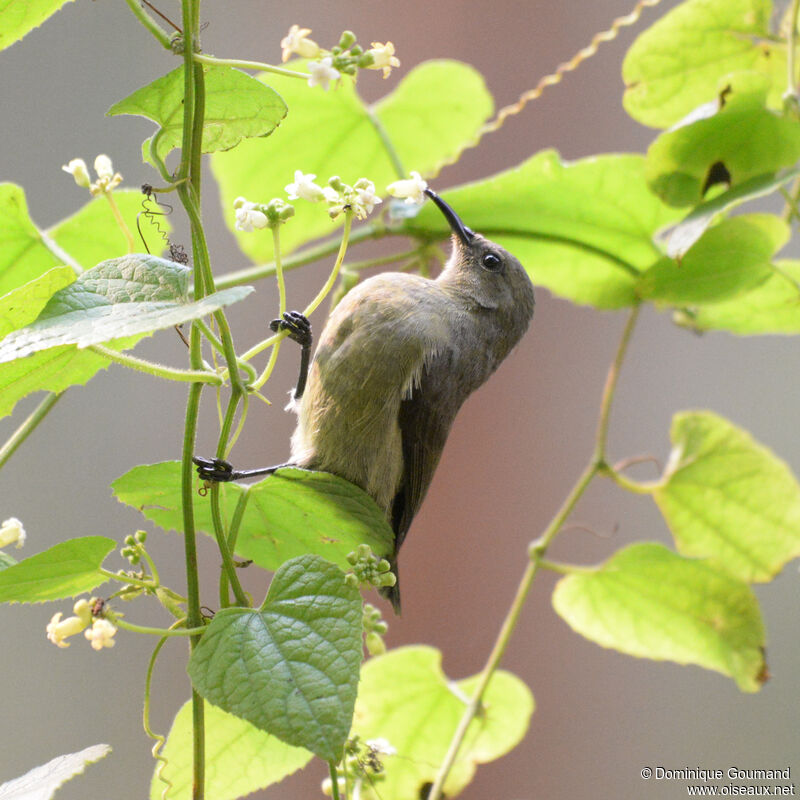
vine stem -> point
(189, 194)
(149, 23)
(27, 427)
(164, 632)
(307, 256)
(791, 39)
(157, 370)
(334, 779)
(123, 226)
(243, 64)
(536, 554)
(312, 306)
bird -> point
(397, 358)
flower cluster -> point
(411, 189)
(360, 198)
(12, 532)
(374, 630)
(107, 179)
(345, 58)
(100, 632)
(369, 568)
(252, 216)
(362, 760)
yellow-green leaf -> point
(649, 602)
(729, 498)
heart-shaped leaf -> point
(290, 667)
(288, 514)
(649, 602)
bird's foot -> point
(214, 469)
(296, 324)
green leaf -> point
(290, 667)
(405, 697)
(290, 513)
(728, 259)
(649, 602)
(41, 783)
(742, 141)
(22, 254)
(772, 307)
(52, 370)
(92, 234)
(584, 229)
(22, 305)
(18, 19)
(65, 570)
(437, 109)
(677, 63)
(695, 224)
(89, 236)
(240, 758)
(6, 560)
(729, 498)
(122, 297)
(237, 107)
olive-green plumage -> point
(394, 363)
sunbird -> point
(396, 359)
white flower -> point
(331, 195)
(383, 57)
(381, 746)
(322, 73)
(304, 187)
(58, 630)
(78, 169)
(107, 179)
(11, 531)
(297, 41)
(101, 634)
(103, 167)
(248, 218)
(412, 189)
(367, 199)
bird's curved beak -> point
(458, 227)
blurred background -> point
(516, 449)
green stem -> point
(629, 485)
(149, 23)
(309, 309)
(387, 143)
(157, 737)
(27, 427)
(123, 226)
(165, 632)
(241, 64)
(334, 780)
(233, 533)
(537, 552)
(228, 567)
(188, 192)
(791, 79)
(115, 576)
(611, 385)
(157, 370)
(308, 256)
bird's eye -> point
(491, 261)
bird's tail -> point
(392, 593)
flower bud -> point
(79, 171)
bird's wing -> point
(425, 418)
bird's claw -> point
(213, 469)
(296, 324)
